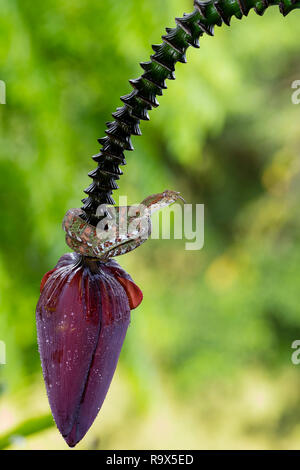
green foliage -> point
(27, 428)
(216, 326)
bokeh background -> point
(207, 359)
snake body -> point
(122, 230)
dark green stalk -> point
(142, 99)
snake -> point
(123, 229)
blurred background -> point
(207, 359)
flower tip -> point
(69, 439)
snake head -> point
(158, 201)
(122, 229)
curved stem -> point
(142, 99)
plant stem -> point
(142, 99)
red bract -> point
(82, 317)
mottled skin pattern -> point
(123, 230)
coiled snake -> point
(122, 230)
